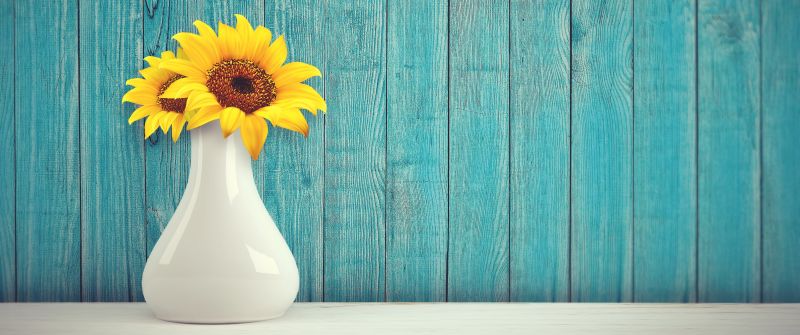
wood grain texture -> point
(355, 151)
(781, 156)
(8, 271)
(166, 162)
(728, 151)
(48, 160)
(601, 151)
(213, 12)
(291, 168)
(112, 154)
(540, 74)
(476, 150)
(416, 149)
(665, 201)
(479, 147)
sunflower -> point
(160, 112)
(239, 77)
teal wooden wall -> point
(474, 150)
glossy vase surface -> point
(220, 259)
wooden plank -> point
(416, 194)
(728, 151)
(290, 172)
(48, 160)
(479, 148)
(781, 156)
(112, 154)
(355, 150)
(539, 243)
(166, 163)
(429, 318)
(602, 131)
(8, 271)
(213, 12)
(665, 202)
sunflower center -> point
(171, 105)
(242, 84)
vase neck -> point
(220, 165)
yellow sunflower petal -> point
(242, 25)
(155, 74)
(288, 118)
(183, 87)
(167, 55)
(274, 56)
(259, 44)
(183, 67)
(142, 83)
(150, 88)
(294, 72)
(246, 35)
(151, 125)
(198, 99)
(263, 34)
(303, 91)
(307, 104)
(177, 127)
(230, 42)
(205, 30)
(189, 113)
(203, 116)
(230, 119)
(140, 96)
(181, 54)
(166, 121)
(152, 61)
(203, 52)
(143, 112)
(254, 134)
(186, 90)
(268, 111)
(245, 30)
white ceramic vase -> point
(221, 259)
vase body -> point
(220, 259)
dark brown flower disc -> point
(171, 105)
(242, 84)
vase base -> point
(186, 320)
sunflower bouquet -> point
(235, 75)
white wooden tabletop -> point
(419, 318)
